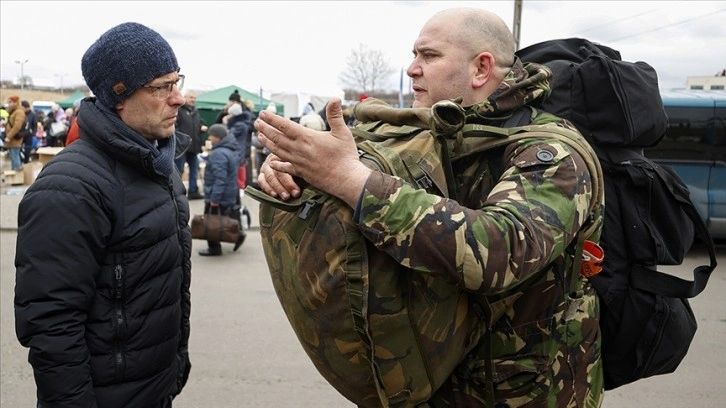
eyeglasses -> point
(164, 90)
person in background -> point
(189, 122)
(311, 119)
(3, 121)
(40, 131)
(50, 135)
(234, 98)
(221, 193)
(31, 124)
(518, 209)
(73, 123)
(239, 122)
(58, 125)
(13, 132)
(102, 285)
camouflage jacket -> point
(518, 209)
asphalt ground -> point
(244, 353)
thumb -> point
(334, 114)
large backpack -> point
(380, 333)
(646, 321)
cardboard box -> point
(13, 177)
(47, 153)
(30, 172)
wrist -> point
(351, 185)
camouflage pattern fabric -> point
(500, 242)
(517, 210)
(380, 333)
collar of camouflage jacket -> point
(524, 84)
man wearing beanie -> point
(102, 281)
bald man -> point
(517, 211)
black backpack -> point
(646, 320)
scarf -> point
(162, 152)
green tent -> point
(68, 102)
(211, 103)
(216, 99)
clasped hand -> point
(325, 160)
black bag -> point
(612, 102)
(646, 321)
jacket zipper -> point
(120, 321)
(170, 186)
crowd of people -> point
(24, 130)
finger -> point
(283, 172)
(283, 176)
(274, 125)
(266, 142)
(334, 113)
(275, 183)
(277, 135)
(264, 185)
(266, 178)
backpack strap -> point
(474, 138)
(650, 279)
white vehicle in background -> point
(44, 106)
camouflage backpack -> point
(380, 333)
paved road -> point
(244, 353)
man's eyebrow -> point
(424, 49)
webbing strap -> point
(482, 351)
(474, 136)
(654, 281)
(489, 370)
(576, 262)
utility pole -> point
(517, 25)
(61, 81)
(22, 74)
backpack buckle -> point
(424, 182)
(307, 209)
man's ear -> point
(484, 69)
(119, 106)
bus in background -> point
(695, 147)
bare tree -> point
(365, 69)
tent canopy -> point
(216, 99)
(68, 102)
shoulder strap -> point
(475, 138)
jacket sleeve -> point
(525, 222)
(18, 123)
(60, 236)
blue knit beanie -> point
(123, 59)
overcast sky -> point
(303, 46)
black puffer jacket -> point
(103, 274)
